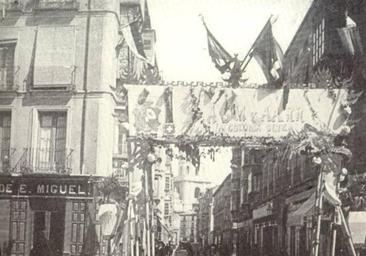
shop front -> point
(265, 229)
(38, 212)
(299, 224)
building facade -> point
(59, 106)
(189, 184)
(205, 218)
(222, 216)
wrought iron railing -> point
(6, 156)
(44, 160)
(9, 78)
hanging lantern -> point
(151, 158)
(108, 216)
(317, 160)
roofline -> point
(300, 26)
(222, 184)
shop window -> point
(77, 227)
(6, 65)
(51, 151)
(18, 219)
(5, 129)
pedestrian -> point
(160, 250)
(168, 249)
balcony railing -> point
(6, 156)
(44, 160)
(57, 4)
(9, 78)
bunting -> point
(132, 42)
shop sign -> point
(44, 187)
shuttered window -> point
(5, 128)
(54, 58)
(6, 66)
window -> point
(6, 65)
(197, 192)
(187, 170)
(166, 209)
(318, 41)
(167, 183)
(5, 127)
(51, 151)
(120, 146)
(55, 57)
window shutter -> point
(54, 58)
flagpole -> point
(251, 48)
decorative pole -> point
(318, 204)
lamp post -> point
(150, 160)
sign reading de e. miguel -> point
(45, 186)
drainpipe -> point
(85, 89)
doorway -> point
(48, 225)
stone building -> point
(60, 102)
(189, 183)
(222, 215)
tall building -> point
(189, 183)
(60, 102)
(205, 218)
(222, 216)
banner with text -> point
(237, 112)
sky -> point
(181, 44)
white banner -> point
(241, 113)
(254, 112)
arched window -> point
(197, 192)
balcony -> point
(9, 79)
(60, 4)
(43, 160)
(6, 156)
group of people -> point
(162, 249)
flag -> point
(143, 96)
(268, 53)
(223, 61)
(133, 40)
(351, 40)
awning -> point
(357, 226)
(296, 218)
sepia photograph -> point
(182, 128)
